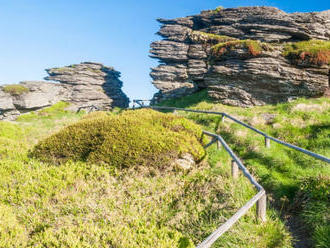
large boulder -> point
(83, 85)
(238, 54)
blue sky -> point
(39, 34)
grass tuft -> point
(315, 52)
(254, 48)
(202, 37)
(15, 89)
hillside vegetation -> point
(89, 204)
(297, 185)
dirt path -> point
(301, 237)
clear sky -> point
(40, 34)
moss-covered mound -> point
(142, 137)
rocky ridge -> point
(83, 85)
(241, 72)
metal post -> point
(261, 208)
(219, 145)
(267, 142)
(223, 118)
(234, 170)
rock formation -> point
(82, 85)
(237, 54)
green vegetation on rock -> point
(218, 9)
(15, 89)
(253, 47)
(311, 52)
(202, 37)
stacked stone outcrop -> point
(83, 85)
(239, 76)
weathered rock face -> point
(239, 77)
(91, 84)
(82, 85)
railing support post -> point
(219, 145)
(267, 142)
(223, 118)
(261, 208)
(234, 170)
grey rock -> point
(6, 101)
(82, 85)
(169, 51)
(41, 94)
(186, 162)
(238, 77)
(174, 32)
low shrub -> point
(202, 37)
(15, 89)
(142, 137)
(218, 9)
(315, 52)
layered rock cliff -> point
(242, 55)
(82, 85)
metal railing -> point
(224, 115)
(260, 198)
(88, 109)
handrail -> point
(267, 137)
(259, 198)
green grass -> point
(202, 37)
(78, 204)
(313, 51)
(297, 184)
(15, 89)
(253, 47)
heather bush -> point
(143, 137)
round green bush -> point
(132, 138)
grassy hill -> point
(88, 204)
